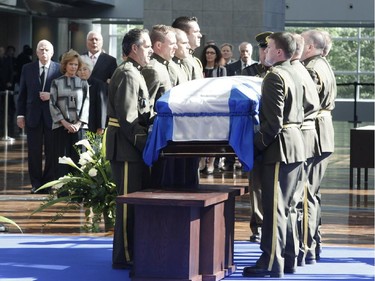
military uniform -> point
(193, 67)
(255, 187)
(280, 141)
(157, 77)
(129, 120)
(181, 71)
(300, 204)
(325, 81)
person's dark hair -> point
(69, 56)
(132, 37)
(284, 41)
(183, 23)
(27, 50)
(217, 58)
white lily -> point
(93, 172)
(86, 144)
(85, 157)
(68, 161)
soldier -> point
(255, 190)
(129, 120)
(280, 141)
(324, 78)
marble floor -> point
(347, 215)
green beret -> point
(261, 38)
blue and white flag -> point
(210, 109)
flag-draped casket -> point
(210, 109)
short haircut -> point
(226, 44)
(132, 37)
(284, 41)
(314, 37)
(159, 32)
(87, 61)
(183, 23)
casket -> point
(206, 117)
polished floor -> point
(347, 218)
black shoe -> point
(289, 270)
(318, 251)
(33, 190)
(310, 261)
(255, 238)
(126, 266)
(254, 271)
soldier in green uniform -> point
(280, 142)
(324, 78)
(256, 218)
(129, 120)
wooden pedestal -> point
(170, 229)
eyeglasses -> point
(210, 53)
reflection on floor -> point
(348, 215)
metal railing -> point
(355, 84)
(7, 93)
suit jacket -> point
(104, 67)
(98, 104)
(234, 68)
(29, 104)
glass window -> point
(352, 59)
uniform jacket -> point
(281, 115)
(181, 71)
(311, 108)
(193, 67)
(29, 104)
(157, 78)
(128, 105)
(325, 81)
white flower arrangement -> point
(89, 185)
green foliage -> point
(90, 185)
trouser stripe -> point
(275, 214)
(125, 210)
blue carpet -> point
(67, 258)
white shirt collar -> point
(96, 55)
(46, 65)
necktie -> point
(93, 59)
(42, 77)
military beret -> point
(261, 38)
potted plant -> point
(90, 185)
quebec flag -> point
(209, 109)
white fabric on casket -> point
(210, 109)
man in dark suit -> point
(34, 115)
(246, 51)
(104, 64)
